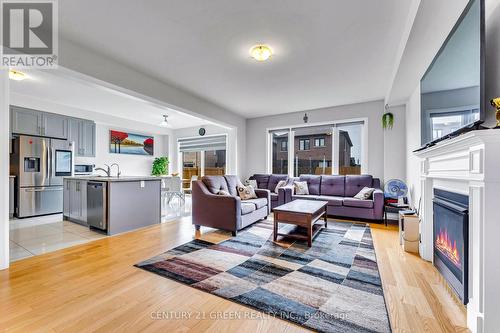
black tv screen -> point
(452, 88)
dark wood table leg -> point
(326, 218)
(309, 233)
(275, 228)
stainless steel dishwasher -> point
(97, 215)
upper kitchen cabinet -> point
(82, 132)
(54, 125)
(25, 121)
(33, 122)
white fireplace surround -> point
(469, 164)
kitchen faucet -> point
(107, 170)
(118, 173)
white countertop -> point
(116, 179)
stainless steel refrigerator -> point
(40, 165)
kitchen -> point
(61, 143)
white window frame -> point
(335, 139)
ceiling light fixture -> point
(16, 75)
(164, 122)
(261, 52)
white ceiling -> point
(327, 52)
(56, 87)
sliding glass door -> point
(191, 166)
(202, 156)
(330, 149)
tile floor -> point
(38, 235)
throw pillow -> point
(246, 192)
(251, 182)
(365, 193)
(280, 184)
(222, 192)
(301, 187)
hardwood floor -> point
(94, 287)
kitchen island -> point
(112, 204)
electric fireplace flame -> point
(448, 247)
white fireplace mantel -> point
(469, 164)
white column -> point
(4, 169)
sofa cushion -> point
(232, 183)
(215, 183)
(332, 200)
(280, 184)
(259, 202)
(274, 180)
(365, 193)
(247, 207)
(351, 202)
(354, 184)
(333, 185)
(313, 183)
(262, 180)
(301, 188)
(246, 192)
(306, 197)
(274, 197)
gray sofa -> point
(226, 212)
(339, 191)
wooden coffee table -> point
(302, 213)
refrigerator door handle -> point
(45, 189)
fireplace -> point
(451, 230)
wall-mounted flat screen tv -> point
(452, 89)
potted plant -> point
(160, 166)
(387, 120)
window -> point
(349, 148)
(317, 161)
(191, 166)
(319, 142)
(304, 144)
(284, 145)
(202, 157)
(337, 149)
(279, 159)
(215, 162)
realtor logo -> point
(29, 34)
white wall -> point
(257, 135)
(4, 169)
(130, 165)
(232, 166)
(413, 140)
(395, 146)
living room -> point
(319, 178)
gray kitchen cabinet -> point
(82, 132)
(25, 121)
(54, 125)
(75, 200)
(88, 138)
(66, 197)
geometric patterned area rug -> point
(333, 286)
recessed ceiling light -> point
(16, 75)
(261, 52)
(164, 122)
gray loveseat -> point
(226, 212)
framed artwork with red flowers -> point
(128, 143)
